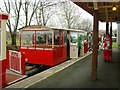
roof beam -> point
(106, 15)
(104, 6)
(95, 5)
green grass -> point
(10, 41)
(115, 45)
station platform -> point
(76, 73)
(12, 77)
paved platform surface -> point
(77, 75)
(12, 77)
(45, 74)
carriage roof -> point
(34, 27)
(73, 30)
(38, 27)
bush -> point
(114, 40)
(11, 47)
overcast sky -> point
(102, 25)
(87, 15)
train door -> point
(66, 41)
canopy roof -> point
(105, 10)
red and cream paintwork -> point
(3, 18)
(108, 48)
(85, 46)
(50, 55)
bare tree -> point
(86, 25)
(45, 11)
(13, 8)
(20, 14)
(69, 15)
(24, 13)
(29, 9)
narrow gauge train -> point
(45, 46)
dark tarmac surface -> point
(78, 75)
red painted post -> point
(7, 60)
(63, 42)
(35, 40)
(23, 63)
(85, 47)
(2, 73)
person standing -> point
(90, 42)
(108, 49)
(85, 46)
(79, 44)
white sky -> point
(102, 25)
(87, 15)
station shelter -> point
(102, 11)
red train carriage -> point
(43, 45)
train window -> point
(58, 35)
(43, 38)
(50, 38)
(73, 38)
(65, 38)
(27, 38)
(40, 37)
(56, 38)
(61, 36)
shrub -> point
(11, 47)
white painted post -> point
(118, 33)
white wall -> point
(118, 34)
(3, 40)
